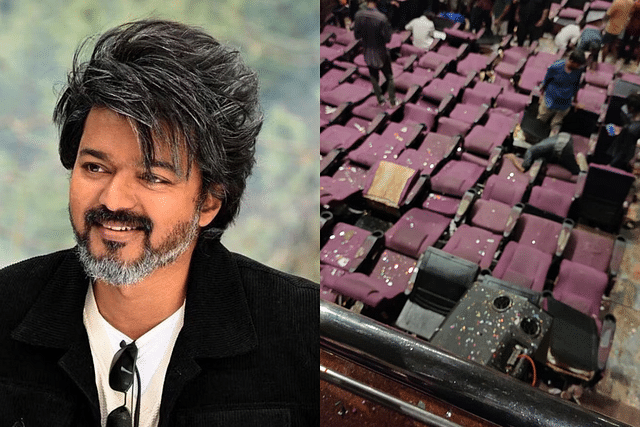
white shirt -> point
(154, 352)
(568, 34)
(422, 29)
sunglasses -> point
(121, 376)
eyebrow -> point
(105, 157)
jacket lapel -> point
(217, 321)
(55, 321)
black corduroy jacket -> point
(248, 352)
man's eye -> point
(92, 167)
(154, 179)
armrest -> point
(519, 66)
(350, 49)
(593, 140)
(330, 161)
(506, 41)
(418, 189)
(377, 121)
(493, 158)
(325, 38)
(445, 104)
(368, 249)
(606, 340)
(457, 142)
(582, 178)
(339, 111)
(512, 219)
(480, 33)
(619, 245)
(472, 75)
(534, 171)
(411, 93)
(461, 51)
(326, 225)
(481, 112)
(410, 62)
(563, 238)
(492, 59)
(440, 70)
(533, 46)
(347, 74)
(412, 135)
(467, 200)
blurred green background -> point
(278, 220)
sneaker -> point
(394, 103)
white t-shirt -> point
(422, 29)
(569, 33)
(154, 352)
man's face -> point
(130, 221)
(572, 65)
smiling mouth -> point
(119, 228)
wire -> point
(533, 365)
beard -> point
(110, 268)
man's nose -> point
(119, 193)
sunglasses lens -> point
(122, 368)
(119, 417)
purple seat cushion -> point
(504, 190)
(388, 279)
(456, 177)
(346, 92)
(516, 102)
(338, 136)
(531, 77)
(414, 113)
(550, 200)
(328, 277)
(598, 78)
(523, 266)
(452, 127)
(467, 113)
(482, 140)
(343, 244)
(556, 171)
(490, 215)
(375, 148)
(415, 231)
(472, 62)
(333, 190)
(587, 248)
(444, 205)
(419, 76)
(431, 60)
(600, 5)
(581, 287)
(473, 244)
(370, 108)
(539, 233)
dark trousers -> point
(528, 28)
(479, 17)
(375, 81)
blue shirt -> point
(559, 86)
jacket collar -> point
(217, 318)
(217, 321)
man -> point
(481, 14)
(150, 321)
(555, 149)
(559, 87)
(567, 37)
(372, 27)
(591, 41)
(531, 16)
(623, 147)
(616, 20)
(422, 29)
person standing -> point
(631, 34)
(531, 16)
(559, 87)
(616, 20)
(373, 28)
(481, 14)
(623, 147)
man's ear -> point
(209, 209)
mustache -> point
(101, 214)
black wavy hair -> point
(179, 86)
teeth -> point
(116, 228)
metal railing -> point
(474, 388)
